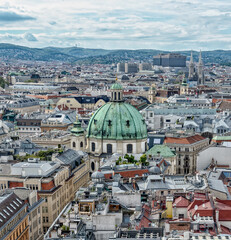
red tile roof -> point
(224, 208)
(204, 208)
(181, 202)
(184, 140)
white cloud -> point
(165, 24)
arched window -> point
(129, 148)
(93, 147)
(92, 166)
(119, 96)
(109, 148)
(73, 144)
(81, 144)
(115, 98)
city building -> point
(169, 60)
(117, 127)
(186, 149)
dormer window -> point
(109, 123)
(127, 123)
(95, 121)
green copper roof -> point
(163, 150)
(77, 129)
(116, 86)
(117, 121)
(184, 82)
(223, 138)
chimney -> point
(158, 154)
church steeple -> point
(77, 128)
(200, 70)
(191, 67)
(200, 58)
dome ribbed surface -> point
(117, 121)
(116, 86)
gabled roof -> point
(203, 208)
(10, 205)
(181, 202)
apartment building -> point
(186, 149)
(55, 182)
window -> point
(73, 144)
(81, 144)
(109, 148)
(168, 120)
(119, 96)
(181, 216)
(129, 148)
(92, 166)
(93, 147)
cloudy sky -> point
(117, 24)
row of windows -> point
(110, 148)
(74, 144)
(29, 129)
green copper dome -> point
(117, 121)
(116, 86)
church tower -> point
(201, 80)
(78, 137)
(191, 67)
(184, 87)
(152, 93)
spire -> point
(191, 58)
(200, 58)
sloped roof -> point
(181, 202)
(225, 105)
(10, 205)
(69, 156)
(162, 150)
(184, 140)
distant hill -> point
(9, 52)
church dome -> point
(117, 120)
(116, 86)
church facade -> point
(116, 127)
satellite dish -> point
(196, 207)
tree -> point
(2, 83)
(143, 159)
